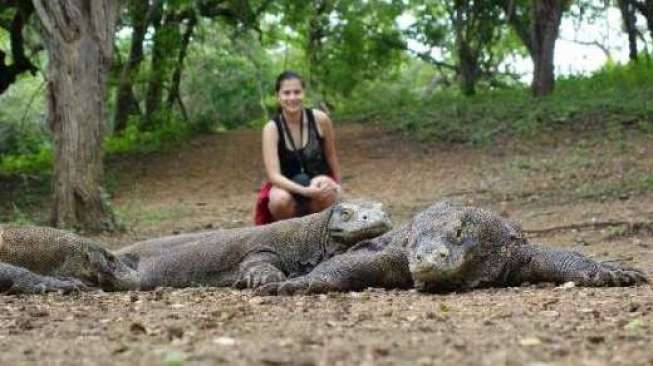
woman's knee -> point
(282, 204)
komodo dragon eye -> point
(346, 214)
(459, 232)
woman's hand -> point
(322, 188)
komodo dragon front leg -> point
(18, 280)
(543, 264)
(362, 267)
(258, 269)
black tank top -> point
(312, 153)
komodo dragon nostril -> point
(364, 217)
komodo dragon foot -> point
(17, 280)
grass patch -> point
(134, 214)
(613, 99)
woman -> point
(299, 155)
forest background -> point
(449, 72)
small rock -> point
(137, 328)
(380, 351)
(120, 349)
(530, 342)
(596, 339)
(175, 332)
(550, 313)
(225, 341)
(38, 313)
(257, 300)
(567, 285)
(412, 318)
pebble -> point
(530, 342)
(225, 341)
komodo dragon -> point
(448, 248)
(35, 259)
(39, 259)
(250, 257)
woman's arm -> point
(326, 127)
(272, 165)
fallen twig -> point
(632, 227)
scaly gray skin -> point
(36, 259)
(453, 248)
(41, 259)
(253, 256)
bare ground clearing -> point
(559, 181)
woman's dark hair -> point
(287, 75)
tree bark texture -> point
(79, 39)
(545, 22)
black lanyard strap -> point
(292, 141)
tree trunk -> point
(630, 26)
(318, 29)
(159, 63)
(79, 39)
(545, 21)
(173, 94)
(21, 64)
(467, 69)
(648, 14)
(126, 102)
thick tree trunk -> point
(630, 26)
(545, 22)
(126, 102)
(79, 40)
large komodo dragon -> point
(37, 259)
(448, 248)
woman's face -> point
(291, 95)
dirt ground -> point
(584, 193)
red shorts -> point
(262, 214)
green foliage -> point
(25, 145)
(36, 162)
(342, 42)
(169, 132)
(228, 80)
(614, 98)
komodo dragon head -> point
(458, 247)
(356, 220)
(106, 270)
